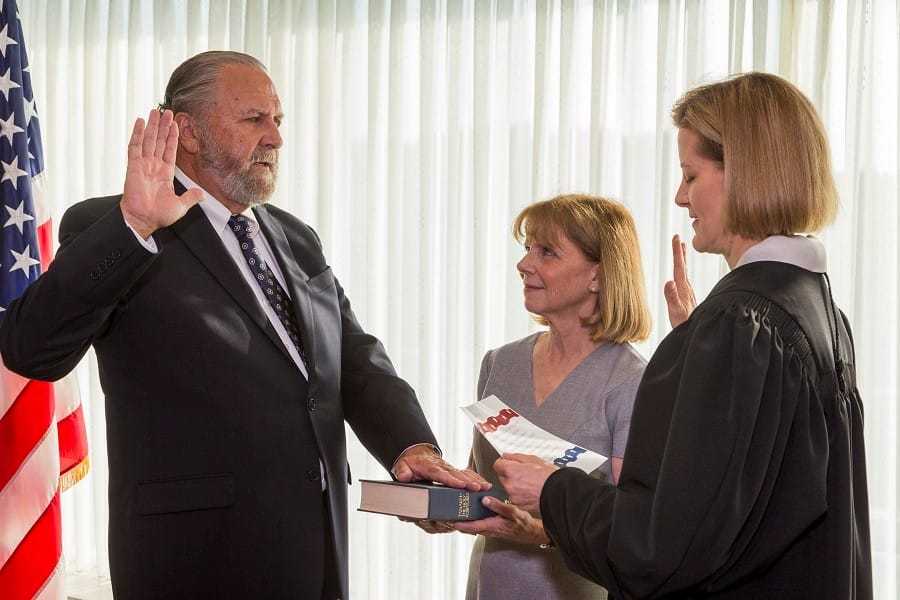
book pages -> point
(508, 431)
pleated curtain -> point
(416, 130)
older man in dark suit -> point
(228, 353)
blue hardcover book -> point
(423, 501)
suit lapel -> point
(198, 235)
(296, 279)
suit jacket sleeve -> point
(46, 331)
(381, 408)
(726, 430)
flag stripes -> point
(25, 574)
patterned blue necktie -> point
(244, 229)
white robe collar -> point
(806, 252)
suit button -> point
(312, 404)
(313, 475)
(116, 253)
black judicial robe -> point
(744, 474)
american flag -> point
(43, 446)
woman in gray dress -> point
(582, 278)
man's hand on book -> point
(523, 477)
(511, 523)
(423, 463)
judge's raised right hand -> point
(149, 201)
(679, 293)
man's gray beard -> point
(238, 184)
(246, 190)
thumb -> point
(677, 310)
(499, 506)
(670, 291)
(402, 471)
(191, 197)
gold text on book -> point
(462, 505)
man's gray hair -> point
(191, 86)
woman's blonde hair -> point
(773, 148)
(604, 231)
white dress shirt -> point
(218, 217)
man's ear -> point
(187, 138)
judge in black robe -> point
(744, 474)
(749, 479)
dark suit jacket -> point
(214, 437)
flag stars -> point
(17, 216)
(12, 172)
(23, 261)
(6, 40)
(6, 84)
(30, 111)
(8, 128)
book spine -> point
(449, 504)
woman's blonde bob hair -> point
(773, 148)
(604, 231)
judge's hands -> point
(429, 526)
(149, 201)
(423, 463)
(511, 523)
(523, 476)
(679, 293)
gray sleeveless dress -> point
(592, 408)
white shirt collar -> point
(806, 252)
(214, 210)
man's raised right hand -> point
(149, 201)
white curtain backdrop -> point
(416, 130)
